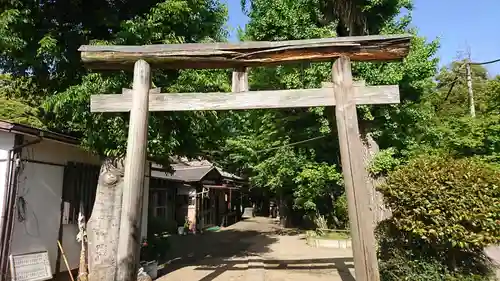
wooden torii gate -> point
(342, 93)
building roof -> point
(189, 174)
(15, 128)
(184, 170)
(193, 170)
(229, 175)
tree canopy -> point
(291, 152)
(40, 43)
(308, 172)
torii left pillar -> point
(133, 181)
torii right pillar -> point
(353, 170)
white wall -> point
(6, 143)
(41, 186)
(44, 183)
(57, 153)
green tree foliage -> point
(309, 147)
(419, 241)
(16, 111)
(352, 17)
(451, 98)
(19, 99)
(42, 39)
(41, 42)
(450, 127)
(440, 120)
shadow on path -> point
(342, 265)
(205, 257)
(219, 246)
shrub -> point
(445, 211)
(402, 257)
(383, 162)
(448, 203)
(403, 267)
(341, 215)
(321, 224)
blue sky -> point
(460, 24)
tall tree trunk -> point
(104, 223)
(370, 149)
(285, 210)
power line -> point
(486, 62)
(290, 144)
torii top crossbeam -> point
(242, 54)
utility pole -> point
(468, 72)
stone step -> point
(255, 270)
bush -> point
(341, 215)
(402, 257)
(448, 203)
(402, 267)
(445, 211)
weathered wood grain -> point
(358, 83)
(244, 100)
(127, 255)
(353, 170)
(237, 55)
(239, 81)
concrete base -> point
(326, 243)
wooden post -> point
(240, 80)
(133, 187)
(360, 217)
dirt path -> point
(255, 250)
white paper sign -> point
(30, 267)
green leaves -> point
(383, 162)
(285, 20)
(446, 201)
(176, 21)
(444, 213)
(48, 46)
(314, 182)
(19, 99)
(67, 109)
(18, 112)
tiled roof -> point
(189, 174)
(192, 170)
(228, 175)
